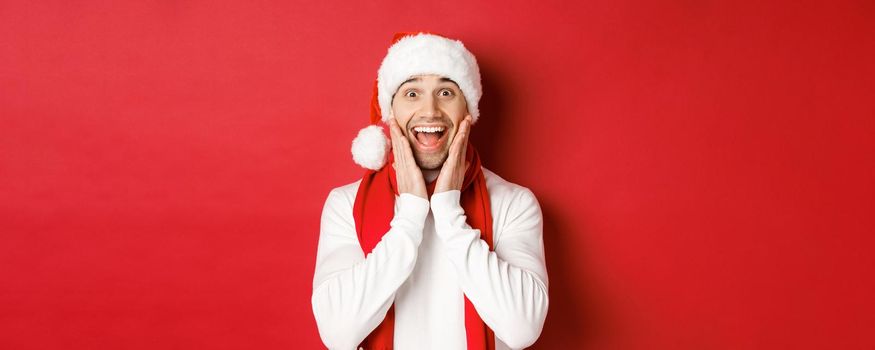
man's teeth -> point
(429, 129)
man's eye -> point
(446, 92)
(410, 94)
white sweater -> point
(424, 264)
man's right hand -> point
(408, 176)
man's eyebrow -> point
(409, 80)
(443, 80)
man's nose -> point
(430, 107)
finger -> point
(466, 128)
(400, 147)
(393, 127)
(460, 133)
(397, 137)
(402, 150)
(406, 149)
(461, 140)
(453, 157)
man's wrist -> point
(412, 208)
(446, 208)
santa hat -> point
(414, 54)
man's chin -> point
(431, 163)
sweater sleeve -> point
(351, 292)
(508, 286)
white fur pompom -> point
(370, 147)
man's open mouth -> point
(430, 137)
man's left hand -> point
(452, 174)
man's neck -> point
(430, 175)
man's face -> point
(429, 109)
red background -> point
(705, 168)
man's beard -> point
(431, 162)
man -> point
(434, 251)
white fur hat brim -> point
(425, 53)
